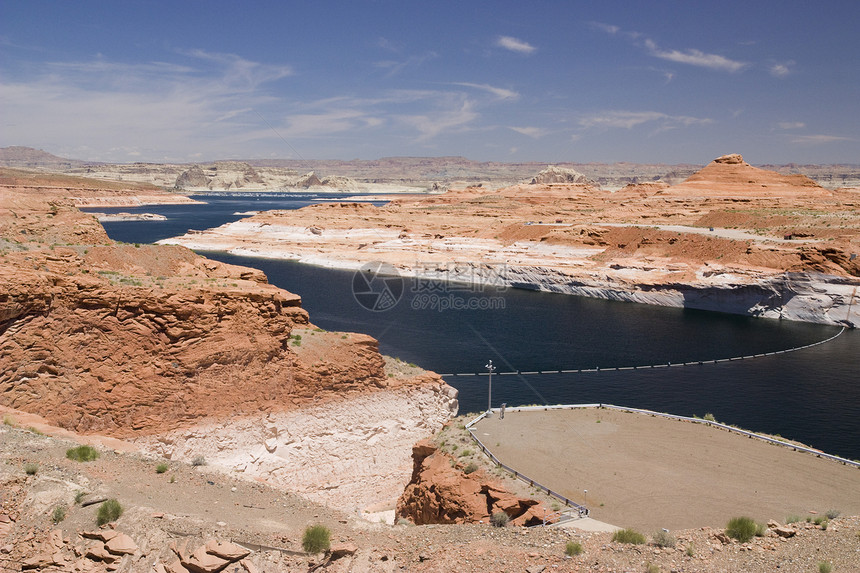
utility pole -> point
(490, 368)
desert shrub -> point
(709, 417)
(628, 536)
(79, 496)
(741, 528)
(59, 514)
(82, 454)
(818, 520)
(30, 469)
(792, 519)
(465, 452)
(832, 513)
(109, 511)
(651, 568)
(316, 539)
(825, 567)
(161, 468)
(824, 524)
(404, 521)
(172, 479)
(664, 539)
(472, 467)
(8, 420)
(691, 550)
(198, 461)
(573, 548)
(760, 529)
(499, 519)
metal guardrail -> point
(583, 511)
(796, 447)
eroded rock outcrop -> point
(203, 358)
(555, 175)
(440, 492)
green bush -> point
(59, 514)
(628, 536)
(760, 529)
(499, 519)
(317, 539)
(82, 454)
(832, 513)
(709, 417)
(79, 496)
(664, 539)
(741, 528)
(818, 520)
(573, 548)
(825, 567)
(651, 568)
(472, 467)
(161, 468)
(691, 551)
(792, 519)
(30, 469)
(109, 511)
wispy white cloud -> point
(690, 56)
(500, 93)
(430, 125)
(515, 45)
(394, 67)
(610, 29)
(781, 70)
(791, 125)
(695, 58)
(819, 139)
(533, 132)
(630, 119)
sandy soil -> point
(648, 473)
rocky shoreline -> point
(719, 241)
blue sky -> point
(667, 82)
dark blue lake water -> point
(812, 395)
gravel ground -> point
(200, 503)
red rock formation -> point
(439, 492)
(730, 175)
(128, 340)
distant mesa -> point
(560, 175)
(20, 156)
(220, 175)
(311, 180)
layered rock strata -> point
(198, 358)
(731, 238)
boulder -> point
(98, 552)
(202, 562)
(785, 531)
(121, 544)
(226, 550)
(339, 550)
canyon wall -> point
(196, 357)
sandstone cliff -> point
(200, 357)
